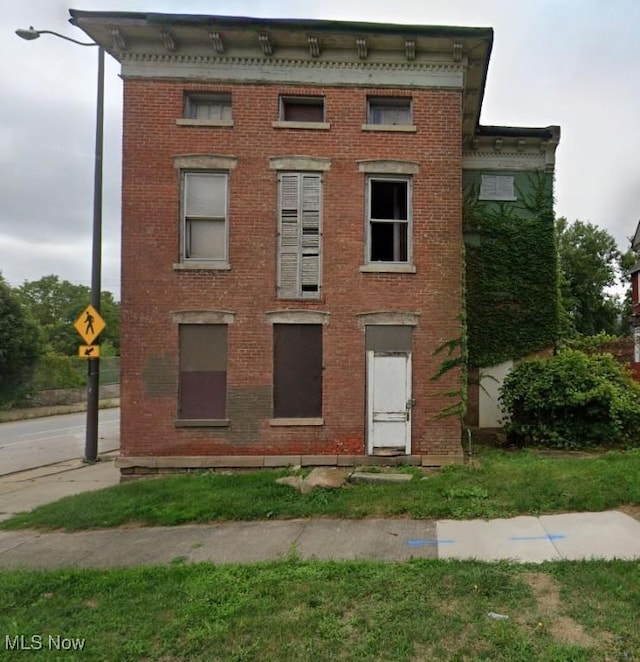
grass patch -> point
(292, 610)
(503, 485)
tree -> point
(20, 345)
(590, 262)
(56, 304)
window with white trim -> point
(497, 187)
(204, 217)
(213, 107)
(299, 235)
(389, 110)
(389, 223)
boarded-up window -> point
(299, 235)
(203, 371)
(297, 370)
(497, 187)
(302, 109)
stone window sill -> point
(318, 126)
(202, 422)
(290, 422)
(212, 266)
(401, 128)
(194, 122)
(388, 269)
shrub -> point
(572, 400)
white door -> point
(388, 401)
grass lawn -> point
(503, 485)
(293, 610)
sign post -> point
(89, 326)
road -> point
(40, 441)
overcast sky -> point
(575, 63)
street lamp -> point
(93, 369)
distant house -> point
(292, 234)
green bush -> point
(572, 401)
(57, 371)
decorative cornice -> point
(510, 160)
(318, 71)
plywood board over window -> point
(203, 371)
(297, 370)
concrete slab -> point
(367, 477)
(520, 539)
(606, 535)
(382, 540)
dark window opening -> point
(389, 221)
(297, 370)
(384, 110)
(302, 109)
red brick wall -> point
(152, 289)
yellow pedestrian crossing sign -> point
(89, 324)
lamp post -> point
(93, 369)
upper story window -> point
(301, 109)
(299, 235)
(204, 217)
(208, 107)
(389, 219)
(389, 111)
(497, 187)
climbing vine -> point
(511, 272)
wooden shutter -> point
(299, 235)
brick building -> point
(291, 236)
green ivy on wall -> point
(511, 270)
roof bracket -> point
(314, 46)
(361, 45)
(521, 144)
(457, 51)
(217, 42)
(168, 40)
(497, 145)
(410, 49)
(265, 43)
(118, 41)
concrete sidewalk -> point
(605, 535)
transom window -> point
(389, 110)
(204, 211)
(301, 109)
(388, 219)
(214, 107)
